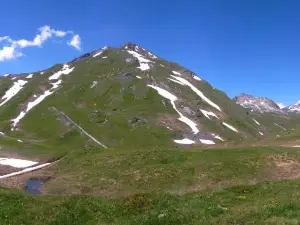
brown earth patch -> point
(7, 169)
(286, 168)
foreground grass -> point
(266, 203)
(120, 173)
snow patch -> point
(230, 127)
(17, 163)
(19, 140)
(138, 77)
(104, 57)
(185, 141)
(42, 73)
(14, 78)
(29, 76)
(37, 101)
(199, 93)
(176, 81)
(218, 137)
(261, 133)
(152, 56)
(17, 86)
(197, 78)
(274, 123)
(296, 146)
(176, 73)
(162, 65)
(94, 84)
(143, 61)
(207, 142)
(1, 133)
(24, 171)
(64, 71)
(208, 114)
(100, 52)
(256, 121)
(5, 75)
(173, 98)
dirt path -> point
(80, 128)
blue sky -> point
(237, 46)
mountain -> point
(260, 104)
(293, 108)
(128, 97)
(263, 104)
(117, 136)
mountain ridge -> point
(264, 104)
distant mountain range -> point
(263, 104)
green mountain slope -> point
(112, 94)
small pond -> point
(33, 186)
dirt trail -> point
(80, 128)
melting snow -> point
(173, 98)
(1, 133)
(100, 52)
(94, 84)
(19, 140)
(197, 78)
(261, 133)
(218, 137)
(38, 100)
(207, 114)
(185, 141)
(199, 93)
(207, 142)
(17, 86)
(104, 57)
(230, 127)
(296, 146)
(177, 73)
(65, 70)
(152, 56)
(143, 62)
(29, 76)
(5, 75)
(24, 171)
(274, 123)
(138, 77)
(176, 81)
(256, 122)
(14, 78)
(17, 163)
(162, 65)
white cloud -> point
(281, 105)
(75, 42)
(8, 53)
(4, 38)
(12, 49)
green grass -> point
(117, 173)
(267, 203)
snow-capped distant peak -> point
(281, 106)
(260, 104)
(293, 108)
